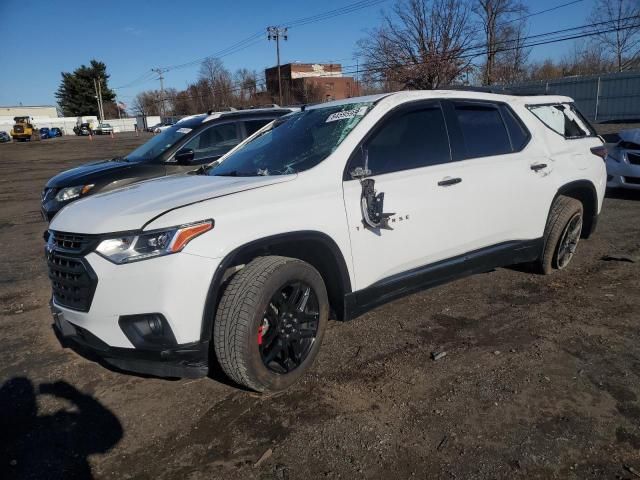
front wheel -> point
(562, 234)
(270, 322)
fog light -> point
(155, 325)
(149, 331)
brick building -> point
(310, 83)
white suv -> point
(326, 213)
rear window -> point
(483, 130)
(564, 119)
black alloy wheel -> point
(569, 241)
(289, 327)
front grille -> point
(633, 180)
(18, 129)
(72, 280)
(48, 194)
(634, 158)
(71, 242)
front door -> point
(409, 157)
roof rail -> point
(495, 89)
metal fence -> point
(601, 98)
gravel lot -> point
(541, 378)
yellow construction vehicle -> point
(22, 129)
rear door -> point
(506, 178)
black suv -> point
(187, 145)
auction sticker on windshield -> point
(183, 130)
(346, 114)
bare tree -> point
(545, 70)
(586, 59)
(147, 102)
(511, 56)
(503, 32)
(421, 44)
(247, 85)
(218, 79)
(623, 44)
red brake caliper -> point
(260, 334)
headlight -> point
(72, 192)
(131, 248)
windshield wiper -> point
(119, 159)
(234, 173)
(205, 169)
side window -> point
(564, 119)
(410, 140)
(214, 141)
(252, 126)
(517, 131)
(483, 130)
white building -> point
(48, 111)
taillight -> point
(600, 151)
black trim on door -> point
(395, 111)
(458, 148)
(405, 283)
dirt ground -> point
(541, 377)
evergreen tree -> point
(76, 94)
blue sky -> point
(132, 37)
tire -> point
(562, 234)
(252, 322)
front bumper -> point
(175, 287)
(623, 175)
(183, 361)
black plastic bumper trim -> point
(184, 361)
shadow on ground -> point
(54, 446)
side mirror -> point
(184, 156)
(361, 173)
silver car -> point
(623, 161)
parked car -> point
(45, 133)
(4, 137)
(182, 148)
(623, 161)
(55, 132)
(83, 129)
(103, 129)
(328, 212)
(152, 128)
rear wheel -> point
(270, 322)
(562, 234)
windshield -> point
(297, 142)
(158, 144)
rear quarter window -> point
(564, 119)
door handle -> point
(538, 166)
(447, 181)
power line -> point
(257, 37)
(475, 52)
(529, 15)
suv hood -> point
(131, 207)
(88, 173)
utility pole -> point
(275, 33)
(98, 99)
(160, 71)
